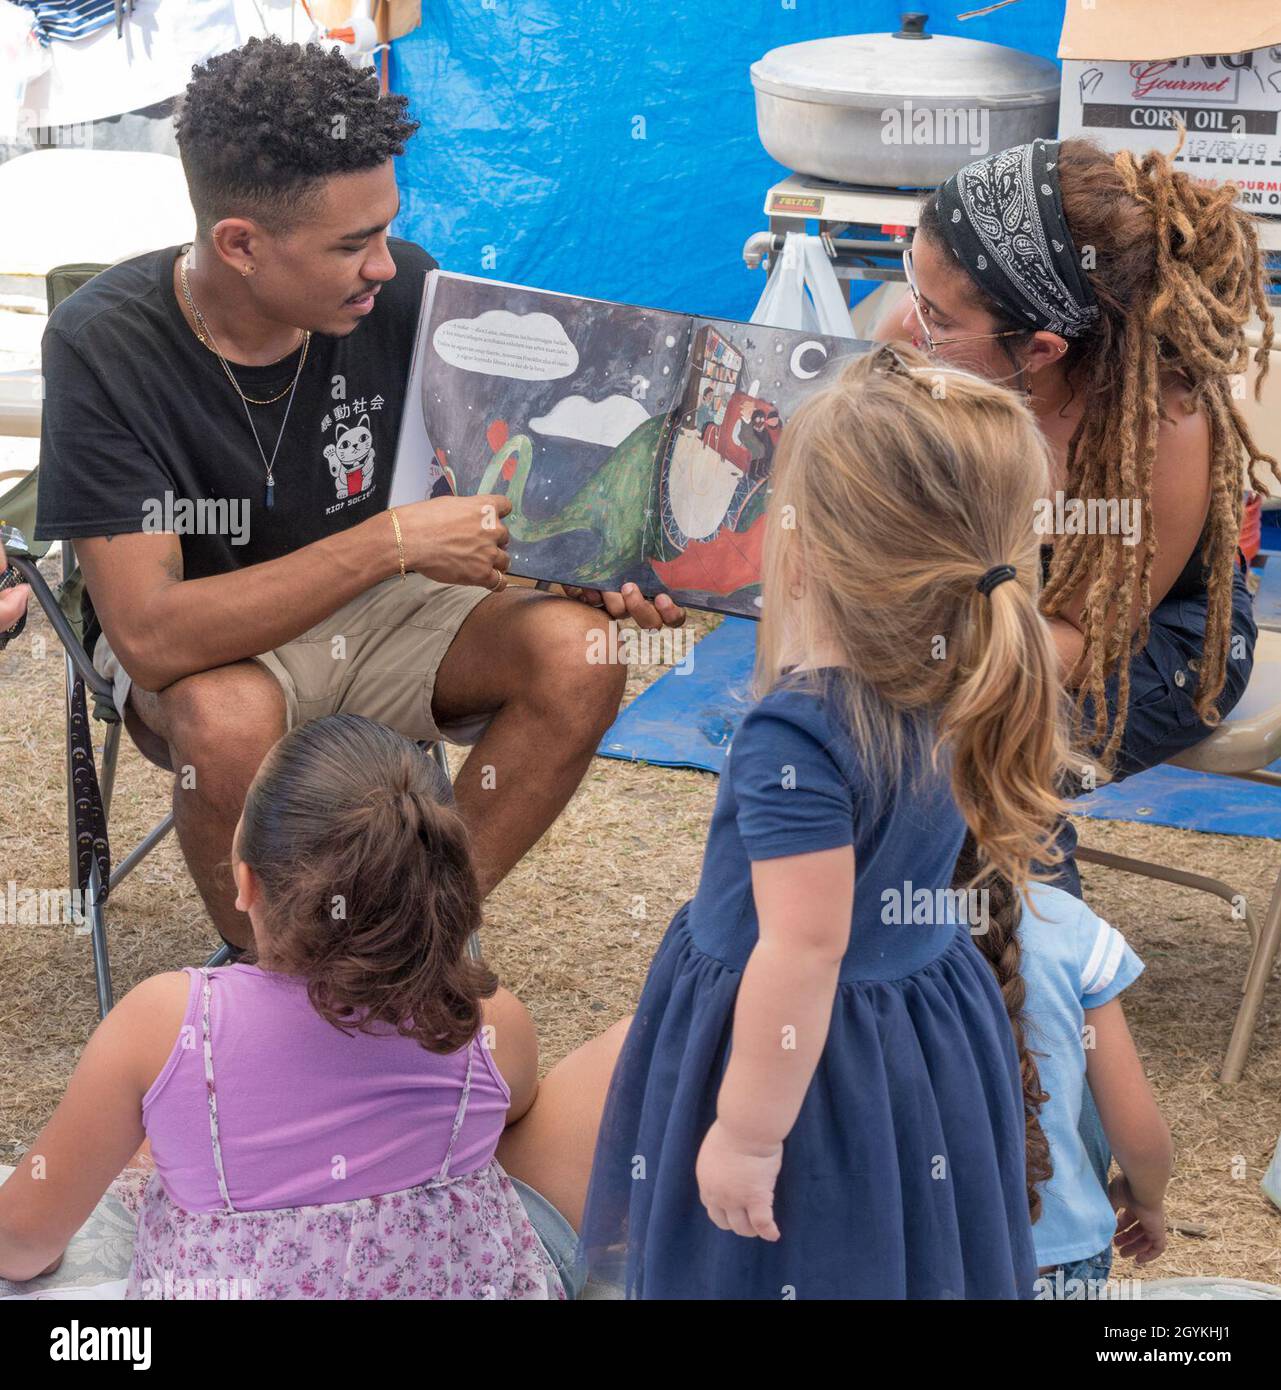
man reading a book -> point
(219, 427)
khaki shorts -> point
(377, 656)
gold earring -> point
(246, 270)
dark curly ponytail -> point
(367, 880)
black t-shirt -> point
(141, 424)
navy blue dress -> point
(904, 1174)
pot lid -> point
(873, 69)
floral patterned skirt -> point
(464, 1238)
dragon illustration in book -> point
(699, 523)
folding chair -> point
(88, 792)
(89, 789)
(1243, 746)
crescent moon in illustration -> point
(798, 354)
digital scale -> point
(864, 229)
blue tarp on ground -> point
(1191, 801)
(687, 717)
(609, 148)
(687, 720)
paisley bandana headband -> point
(1003, 219)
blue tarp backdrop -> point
(609, 147)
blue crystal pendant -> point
(271, 495)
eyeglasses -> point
(930, 339)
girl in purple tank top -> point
(328, 1121)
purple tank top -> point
(306, 1115)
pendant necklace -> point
(206, 336)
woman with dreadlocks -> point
(1113, 293)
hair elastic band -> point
(998, 574)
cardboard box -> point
(1133, 68)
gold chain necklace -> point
(203, 331)
(205, 335)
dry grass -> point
(573, 928)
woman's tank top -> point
(1190, 583)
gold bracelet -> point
(400, 543)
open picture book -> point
(634, 444)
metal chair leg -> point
(141, 850)
(107, 776)
(90, 911)
(1146, 869)
(73, 865)
(98, 939)
(1265, 943)
(1261, 962)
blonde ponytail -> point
(1003, 721)
(894, 491)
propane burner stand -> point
(866, 229)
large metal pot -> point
(901, 110)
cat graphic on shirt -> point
(351, 458)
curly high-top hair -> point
(261, 128)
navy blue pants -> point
(1162, 719)
(1162, 722)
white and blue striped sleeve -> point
(68, 19)
(1110, 966)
